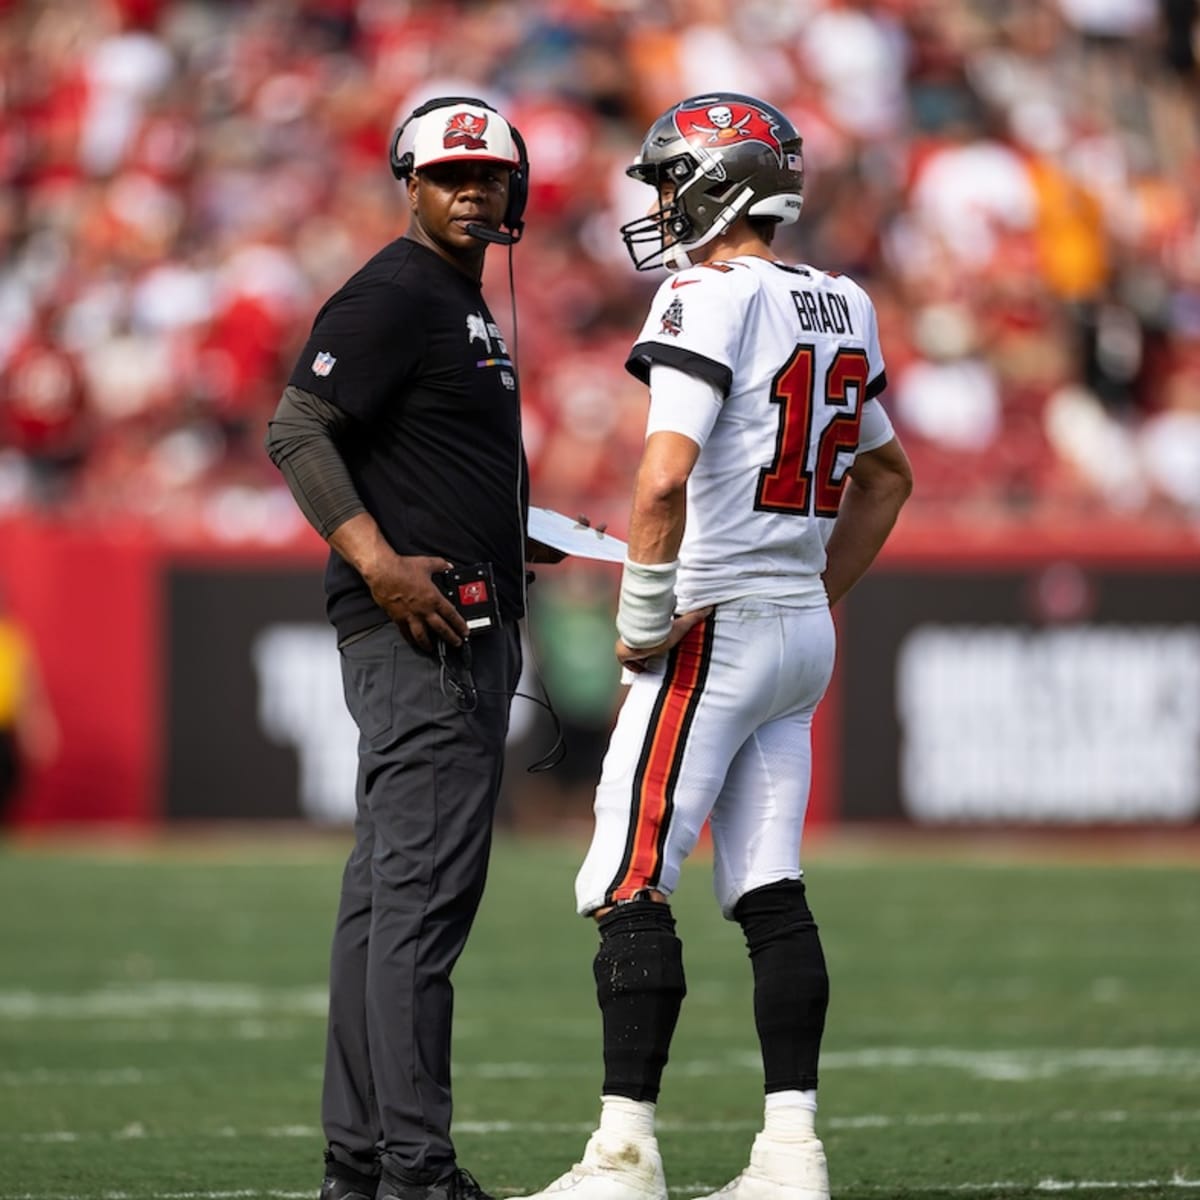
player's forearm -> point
(865, 518)
(647, 600)
(656, 525)
(659, 512)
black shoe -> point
(459, 1185)
(467, 1188)
(345, 1183)
(333, 1188)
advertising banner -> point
(256, 725)
(1007, 679)
(1050, 693)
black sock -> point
(640, 987)
(791, 983)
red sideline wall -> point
(89, 603)
(94, 604)
(101, 607)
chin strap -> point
(676, 257)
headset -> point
(518, 184)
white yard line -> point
(1004, 1066)
(1010, 1066)
(1025, 1064)
(498, 1128)
(164, 997)
(1048, 1186)
(163, 1010)
(104, 1077)
(1076, 1185)
(109, 1194)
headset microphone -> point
(496, 236)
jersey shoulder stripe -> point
(645, 354)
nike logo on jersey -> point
(678, 283)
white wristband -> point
(647, 605)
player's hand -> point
(539, 552)
(636, 660)
(403, 587)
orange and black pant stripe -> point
(657, 774)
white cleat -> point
(780, 1171)
(611, 1169)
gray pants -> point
(428, 780)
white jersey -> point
(795, 353)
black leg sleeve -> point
(640, 987)
(791, 983)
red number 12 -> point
(788, 485)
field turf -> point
(1001, 1026)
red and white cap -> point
(461, 132)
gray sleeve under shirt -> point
(302, 442)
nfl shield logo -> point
(323, 363)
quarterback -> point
(770, 479)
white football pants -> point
(720, 728)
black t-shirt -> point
(409, 349)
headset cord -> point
(458, 686)
(558, 751)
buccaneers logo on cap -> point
(721, 125)
(465, 129)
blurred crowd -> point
(183, 182)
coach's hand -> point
(402, 585)
(636, 660)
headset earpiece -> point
(518, 188)
(402, 164)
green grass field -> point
(998, 1028)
